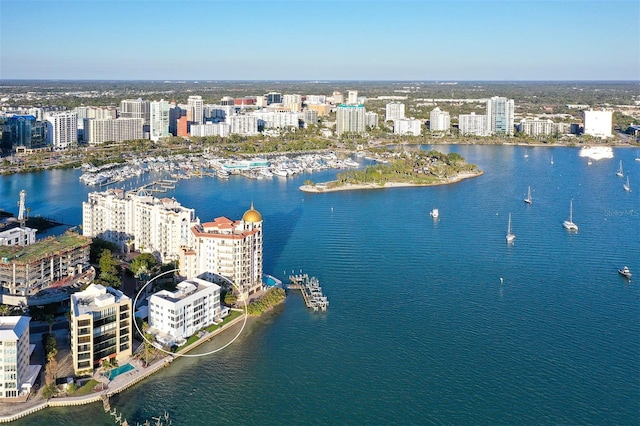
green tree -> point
(109, 269)
(143, 263)
(97, 246)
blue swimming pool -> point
(271, 281)
(120, 370)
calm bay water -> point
(420, 329)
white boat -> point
(625, 272)
(552, 159)
(280, 172)
(637, 157)
(589, 162)
(568, 224)
(626, 185)
(620, 171)
(528, 200)
(434, 213)
(526, 154)
(510, 235)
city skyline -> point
(320, 40)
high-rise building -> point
(338, 97)
(273, 98)
(232, 249)
(598, 123)
(407, 126)
(195, 109)
(394, 110)
(352, 97)
(245, 124)
(17, 375)
(537, 127)
(139, 220)
(159, 120)
(176, 315)
(472, 124)
(100, 327)
(439, 121)
(309, 116)
(62, 130)
(293, 102)
(350, 118)
(276, 120)
(135, 108)
(210, 129)
(23, 132)
(500, 113)
(370, 119)
(97, 131)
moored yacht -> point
(625, 272)
(568, 224)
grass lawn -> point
(86, 389)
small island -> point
(401, 169)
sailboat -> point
(568, 224)
(510, 235)
(589, 162)
(526, 154)
(552, 159)
(626, 185)
(620, 171)
(528, 200)
(637, 157)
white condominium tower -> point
(138, 220)
(439, 121)
(100, 130)
(293, 102)
(350, 118)
(500, 113)
(195, 109)
(62, 130)
(352, 97)
(135, 108)
(394, 110)
(232, 249)
(159, 118)
(472, 124)
(407, 126)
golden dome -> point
(252, 215)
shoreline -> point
(319, 188)
(12, 411)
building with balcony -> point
(500, 113)
(231, 249)
(176, 315)
(598, 123)
(439, 121)
(137, 220)
(350, 119)
(394, 111)
(18, 376)
(101, 327)
(407, 126)
(472, 124)
(62, 130)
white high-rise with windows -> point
(352, 97)
(159, 119)
(500, 113)
(407, 126)
(245, 125)
(176, 315)
(138, 220)
(100, 130)
(439, 121)
(135, 108)
(350, 118)
(292, 102)
(195, 109)
(16, 375)
(62, 130)
(394, 110)
(472, 124)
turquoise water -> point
(120, 370)
(420, 328)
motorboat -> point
(434, 213)
(625, 272)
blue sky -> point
(320, 40)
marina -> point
(311, 291)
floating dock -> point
(311, 291)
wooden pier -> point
(311, 291)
